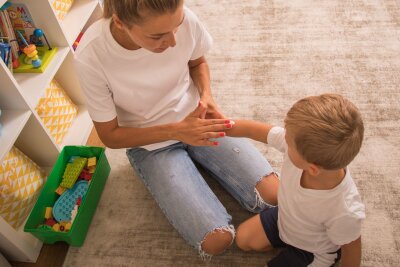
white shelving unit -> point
(19, 95)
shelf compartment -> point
(80, 128)
(13, 122)
(44, 17)
(10, 97)
(32, 85)
(36, 144)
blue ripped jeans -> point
(181, 192)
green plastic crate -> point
(76, 235)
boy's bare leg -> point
(268, 189)
(250, 235)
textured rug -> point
(266, 55)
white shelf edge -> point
(13, 121)
(32, 85)
(18, 245)
(80, 128)
(76, 18)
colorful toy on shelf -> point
(31, 52)
(72, 172)
(65, 204)
(38, 33)
(35, 58)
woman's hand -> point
(195, 130)
(213, 111)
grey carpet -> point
(268, 54)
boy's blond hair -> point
(132, 12)
(328, 130)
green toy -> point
(72, 172)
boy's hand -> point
(213, 111)
(197, 132)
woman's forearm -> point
(124, 137)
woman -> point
(147, 84)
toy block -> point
(85, 175)
(67, 226)
(56, 227)
(91, 162)
(74, 212)
(50, 222)
(78, 201)
(60, 190)
(66, 203)
(72, 172)
(63, 226)
(48, 213)
(92, 169)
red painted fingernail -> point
(215, 143)
(227, 121)
(228, 125)
(222, 134)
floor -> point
(54, 255)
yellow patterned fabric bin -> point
(57, 111)
(20, 183)
(61, 7)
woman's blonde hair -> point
(134, 11)
(328, 130)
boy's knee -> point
(249, 240)
(267, 188)
(242, 239)
(217, 241)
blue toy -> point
(38, 33)
(65, 204)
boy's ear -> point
(118, 23)
(313, 169)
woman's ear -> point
(313, 169)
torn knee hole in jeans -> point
(259, 200)
(206, 256)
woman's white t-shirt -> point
(318, 221)
(139, 87)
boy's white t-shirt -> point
(139, 87)
(318, 221)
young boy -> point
(320, 210)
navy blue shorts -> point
(290, 256)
